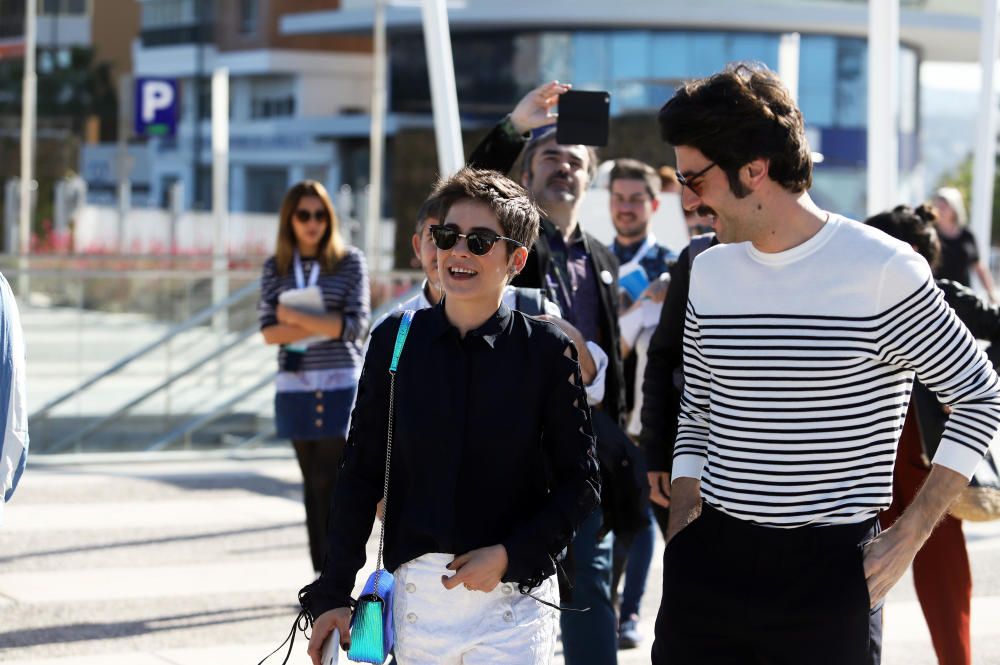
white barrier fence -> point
(96, 230)
(153, 231)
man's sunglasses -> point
(303, 215)
(689, 180)
(480, 241)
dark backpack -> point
(529, 301)
(624, 487)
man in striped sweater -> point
(803, 335)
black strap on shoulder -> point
(698, 245)
(529, 301)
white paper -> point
(308, 300)
(331, 651)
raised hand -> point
(535, 108)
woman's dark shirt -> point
(958, 254)
(492, 444)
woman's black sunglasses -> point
(304, 215)
(480, 241)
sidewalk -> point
(198, 563)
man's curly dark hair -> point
(741, 114)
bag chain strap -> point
(385, 485)
(404, 329)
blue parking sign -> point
(156, 102)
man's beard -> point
(546, 193)
(632, 231)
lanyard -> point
(300, 280)
(640, 254)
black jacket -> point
(490, 446)
(983, 321)
(499, 152)
(661, 385)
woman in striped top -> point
(319, 339)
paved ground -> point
(197, 563)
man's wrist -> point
(510, 128)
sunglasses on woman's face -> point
(302, 215)
(480, 241)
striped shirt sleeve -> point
(920, 332)
(267, 306)
(356, 300)
(690, 449)
(13, 396)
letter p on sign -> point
(156, 107)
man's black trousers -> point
(739, 594)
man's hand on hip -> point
(659, 487)
(889, 555)
(886, 559)
(685, 504)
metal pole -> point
(373, 227)
(28, 111)
(444, 99)
(788, 62)
(124, 167)
(220, 194)
(984, 164)
(883, 84)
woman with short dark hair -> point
(492, 466)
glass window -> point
(852, 83)
(669, 56)
(265, 188)
(630, 70)
(817, 93)
(590, 61)
(754, 48)
(63, 7)
(707, 54)
(248, 17)
(555, 57)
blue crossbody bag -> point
(372, 635)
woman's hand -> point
(478, 570)
(338, 618)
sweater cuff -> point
(508, 130)
(960, 459)
(526, 565)
(318, 598)
(687, 466)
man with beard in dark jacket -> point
(581, 275)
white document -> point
(331, 651)
(308, 300)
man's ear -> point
(519, 258)
(415, 243)
(525, 175)
(656, 203)
(754, 173)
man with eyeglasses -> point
(804, 333)
(581, 276)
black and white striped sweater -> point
(798, 372)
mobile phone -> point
(584, 118)
(331, 650)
